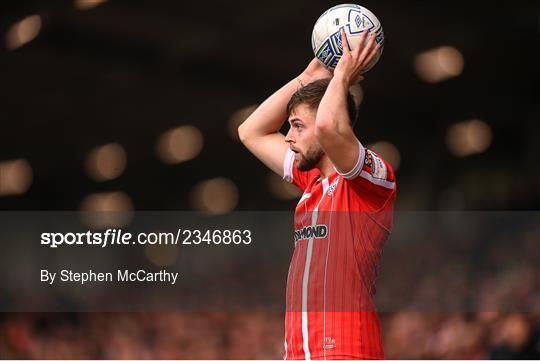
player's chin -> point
(304, 164)
(300, 163)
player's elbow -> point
(243, 133)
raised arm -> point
(333, 126)
(260, 131)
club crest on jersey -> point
(317, 231)
(332, 187)
(375, 165)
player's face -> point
(301, 138)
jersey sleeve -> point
(372, 178)
(292, 175)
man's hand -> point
(314, 71)
(352, 63)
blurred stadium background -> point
(117, 105)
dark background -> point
(127, 71)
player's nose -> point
(289, 137)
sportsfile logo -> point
(317, 231)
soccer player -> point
(344, 215)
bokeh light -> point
(468, 138)
(179, 144)
(238, 118)
(23, 32)
(106, 162)
(87, 4)
(160, 255)
(439, 64)
(216, 196)
(15, 177)
(109, 209)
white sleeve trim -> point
(353, 173)
(380, 182)
(288, 162)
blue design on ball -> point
(331, 50)
(358, 20)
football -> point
(354, 19)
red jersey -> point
(341, 223)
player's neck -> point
(326, 167)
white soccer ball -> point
(354, 19)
